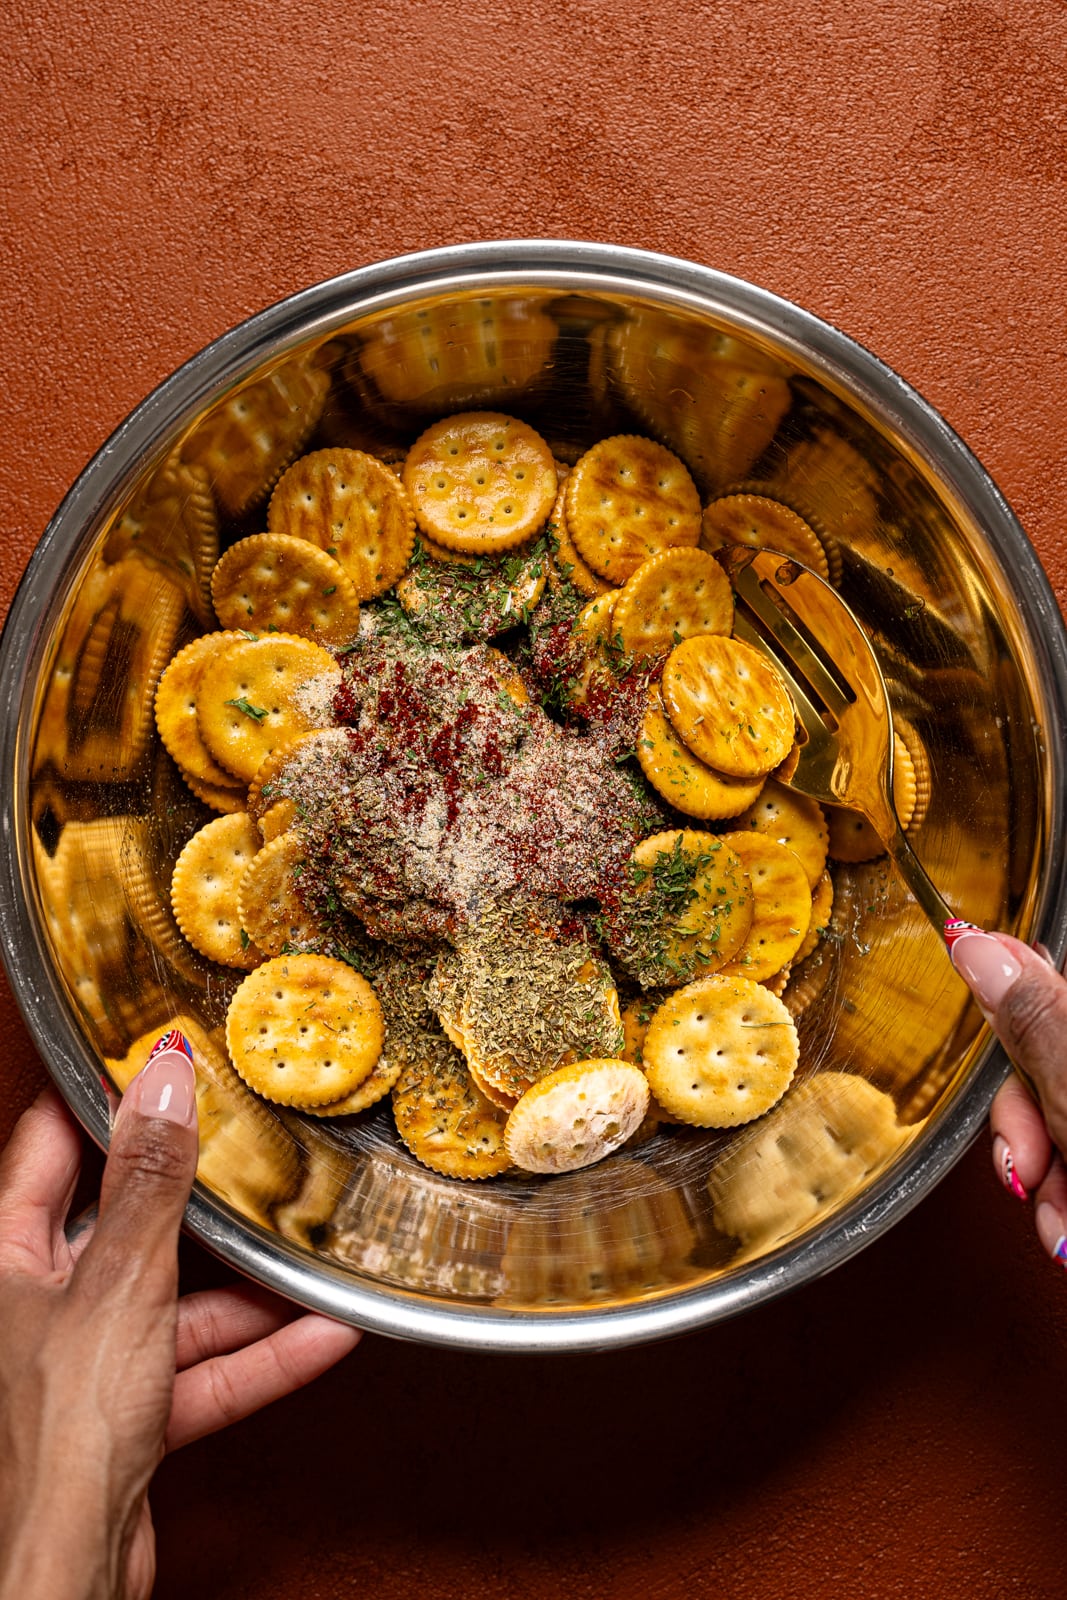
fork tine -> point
(814, 669)
(850, 763)
(818, 734)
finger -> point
(1025, 1000)
(1050, 1213)
(147, 1178)
(218, 1392)
(1022, 1149)
(216, 1321)
(38, 1172)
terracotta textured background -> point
(897, 166)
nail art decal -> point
(174, 1040)
(1010, 1176)
(956, 929)
(1059, 1252)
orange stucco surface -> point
(896, 166)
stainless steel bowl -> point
(582, 340)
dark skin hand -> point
(1024, 998)
(102, 1367)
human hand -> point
(102, 1368)
(1024, 999)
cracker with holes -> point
(577, 1115)
(720, 1052)
(480, 482)
(268, 897)
(676, 773)
(627, 499)
(762, 523)
(728, 705)
(781, 908)
(673, 596)
(351, 506)
(795, 821)
(567, 565)
(386, 1071)
(204, 885)
(260, 693)
(273, 583)
(446, 1121)
(175, 708)
(686, 909)
(304, 1030)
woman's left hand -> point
(102, 1367)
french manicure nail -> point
(166, 1087)
(1050, 1230)
(987, 968)
(1005, 1164)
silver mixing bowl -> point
(582, 340)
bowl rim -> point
(560, 265)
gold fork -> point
(826, 661)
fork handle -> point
(911, 869)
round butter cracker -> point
(204, 887)
(446, 1121)
(728, 705)
(794, 820)
(781, 905)
(304, 1030)
(673, 596)
(687, 910)
(480, 482)
(260, 693)
(627, 499)
(683, 780)
(762, 523)
(351, 506)
(720, 1052)
(274, 583)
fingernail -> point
(1005, 1165)
(1050, 1231)
(985, 966)
(1044, 952)
(173, 1040)
(166, 1087)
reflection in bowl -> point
(582, 342)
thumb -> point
(148, 1175)
(1024, 999)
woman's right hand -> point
(1024, 999)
